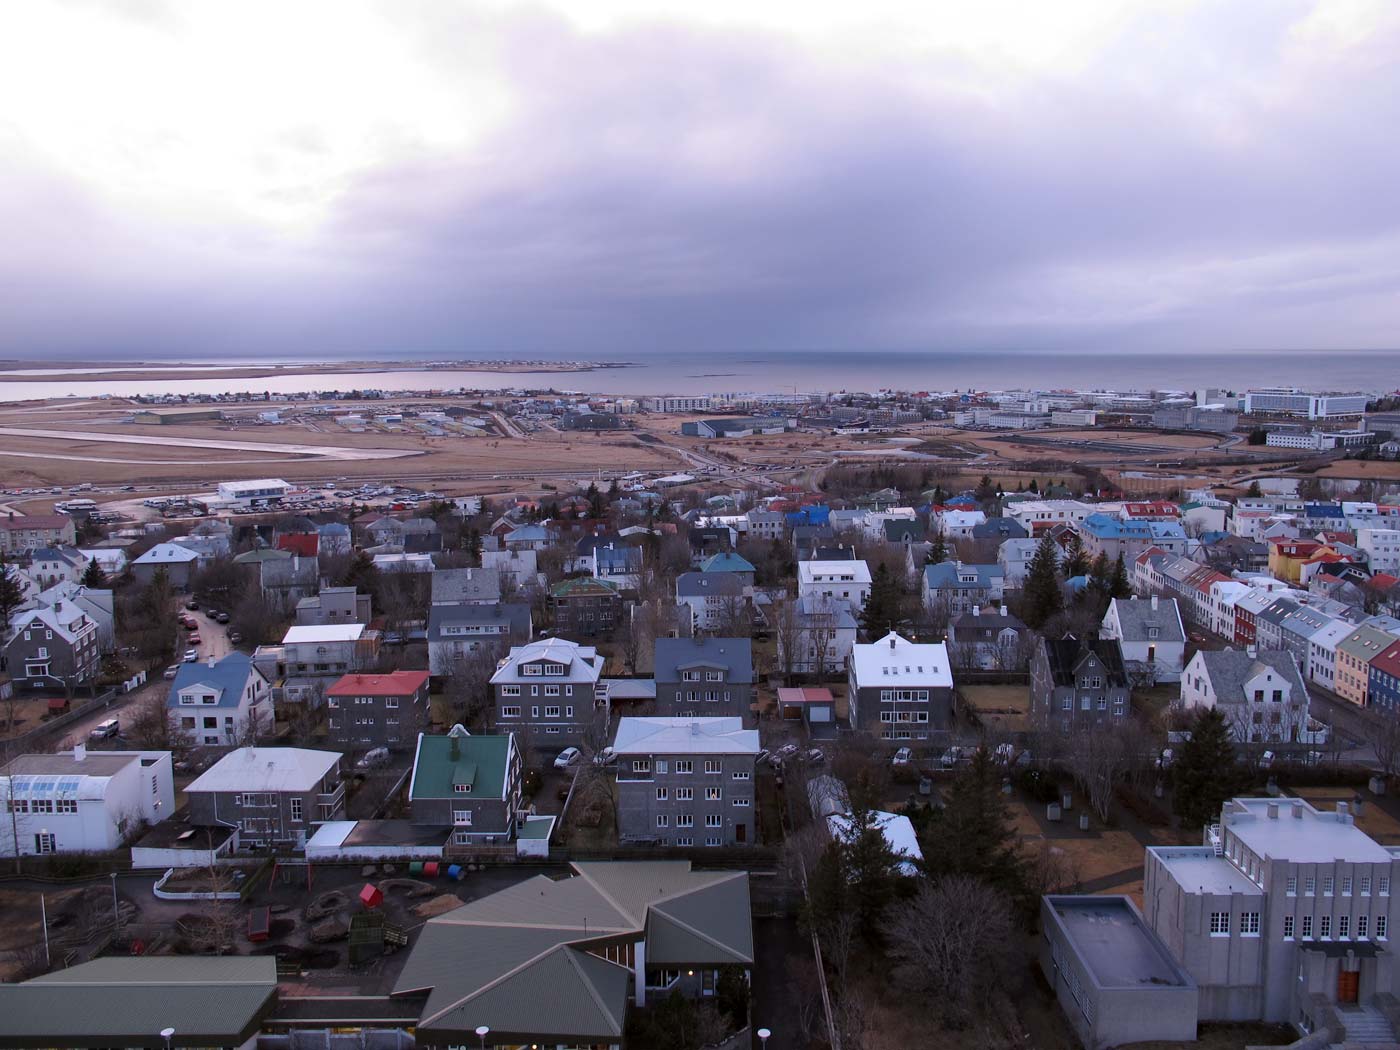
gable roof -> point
(480, 762)
(699, 584)
(894, 660)
(1065, 654)
(267, 769)
(394, 683)
(726, 561)
(226, 679)
(167, 554)
(1230, 669)
(465, 585)
(675, 654)
(1138, 616)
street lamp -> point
(167, 1034)
(481, 1033)
(763, 1034)
(116, 914)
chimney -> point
(1154, 603)
(1343, 817)
(694, 728)
(79, 752)
(891, 639)
(1297, 811)
(1273, 810)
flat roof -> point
(1197, 867)
(1300, 833)
(331, 632)
(1110, 937)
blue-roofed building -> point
(1320, 516)
(227, 701)
(817, 514)
(728, 561)
(335, 538)
(961, 588)
(1112, 537)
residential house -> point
(335, 538)
(527, 537)
(822, 634)
(466, 586)
(226, 702)
(766, 525)
(1297, 630)
(331, 649)
(685, 781)
(1354, 655)
(518, 570)
(1000, 530)
(1322, 652)
(707, 540)
(567, 956)
(903, 532)
(1114, 538)
(287, 580)
(1381, 548)
(704, 676)
(1282, 915)
(1261, 695)
(1288, 556)
(901, 689)
(618, 563)
(1383, 682)
(729, 562)
(111, 560)
(1150, 636)
(271, 796)
(55, 647)
(82, 802)
(957, 588)
(25, 532)
(1076, 683)
(50, 565)
(958, 524)
(177, 562)
(469, 783)
(401, 562)
(456, 632)
(546, 689)
(97, 602)
(988, 640)
(335, 605)
(716, 600)
(847, 580)
(366, 711)
(585, 607)
(1014, 559)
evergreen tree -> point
(595, 501)
(473, 545)
(1254, 491)
(1100, 574)
(881, 614)
(871, 869)
(11, 595)
(985, 490)
(1034, 486)
(937, 548)
(973, 835)
(1205, 773)
(362, 574)
(93, 576)
(1042, 597)
(614, 491)
(1119, 586)
(1076, 559)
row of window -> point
(1329, 884)
(537, 669)
(903, 716)
(1087, 703)
(687, 840)
(686, 820)
(389, 701)
(1324, 927)
(694, 676)
(549, 690)
(683, 765)
(712, 794)
(900, 696)
(43, 805)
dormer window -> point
(553, 668)
(1152, 632)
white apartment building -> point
(846, 580)
(701, 403)
(81, 802)
(1261, 695)
(1322, 652)
(1294, 402)
(1381, 547)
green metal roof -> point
(122, 1001)
(582, 586)
(481, 762)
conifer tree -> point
(1204, 776)
(1076, 559)
(937, 548)
(883, 608)
(93, 576)
(1119, 586)
(1042, 591)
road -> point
(340, 452)
(1352, 722)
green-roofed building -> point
(468, 783)
(585, 606)
(127, 1002)
(559, 961)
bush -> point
(1148, 810)
(1038, 784)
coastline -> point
(21, 371)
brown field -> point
(1381, 470)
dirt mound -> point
(439, 905)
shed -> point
(371, 896)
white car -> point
(568, 757)
(191, 655)
(902, 757)
(605, 757)
(172, 671)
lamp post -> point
(763, 1034)
(116, 914)
(167, 1034)
(481, 1032)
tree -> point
(11, 596)
(1102, 759)
(973, 835)
(154, 727)
(93, 576)
(1204, 775)
(884, 608)
(1118, 585)
(949, 944)
(1041, 596)
(1076, 558)
(1254, 491)
(937, 548)
(986, 489)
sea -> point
(806, 371)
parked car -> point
(191, 655)
(902, 757)
(194, 638)
(605, 757)
(568, 757)
(374, 758)
(103, 730)
(235, 638)
(192, 605)
(171, 671)
(223, 617)
(212, 613)
(813, 756)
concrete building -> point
(821, 636)
(585, 607)
(176, 561)
(900, 689)
(1150, 635)
(1383, 687)
(1076, 684)
(82, 802)
(704, 677)
(685, 781)
(1290, 401)
(1261, 695)
(25, 532)
(1284, 914)
(1114, 978)
(377, 710)
(1354, 655)
(471, 784)
(221, 702)
(547, 689)
(847, 580)
(55, 647)
(1381, 547)
(716, 600)
(456, 632)
(335, 605)
(956, 587)
(989, 640)
(271, 796)
(262, 491)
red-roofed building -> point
(305, 544)
(27, 532)
(1383, 679)
(811, 705)
(377, 710)
(1153, 510)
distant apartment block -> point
(1290, 401)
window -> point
(1343, 926)
(714, 820)
(1363, 923)
(1310, 885)
(685, 794)
(690, 676)
(551, 712)
(742, 802)
(462, 838)
(1220, 924)
(661, 764)
(712, 840)
(534, 712)
(1366, 885)
(1327, 884)
(663, 820)
(714, 676)
(1346, 885)
(1384, 884)
(1324, 926)
(641, 765)
(510, 690)
(662, 794)
(1307, 927)
(685, 840)
(568, 712)
(551, 690)
(1288, 927)
(392, 701)
(713, 794)
(741, 774)
(713, 765)
(294, 804)
(1380, 927)
(1292, 885)
(685, 820)
(685, 765)
(1249, 923)
(510, 712)
(462, 817)
(1067, 704)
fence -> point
(53, 725)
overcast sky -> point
(610, 177)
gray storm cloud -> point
(1200, 183)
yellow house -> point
(1354, 655)
(1287, 557)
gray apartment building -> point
(271, 796)
(547, 690)
(901, 689)
(1284, 914)
(704, 677)
(335, 605)
(1078, 683)
(470, 784)
(366, 711)
(685, 781)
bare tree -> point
(1383, 734)
(468, 686)
(156, 727)
(1101, 759)
(950, 942)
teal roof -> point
(481, 761)
(726, 562)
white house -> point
(822, 635)
(847, 580)
(76, 802)
(1381, 547)
(1322, 652)
(223, 702)
(958, 524)
(1151, 635)
(1261, 695)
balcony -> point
(331, 800)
